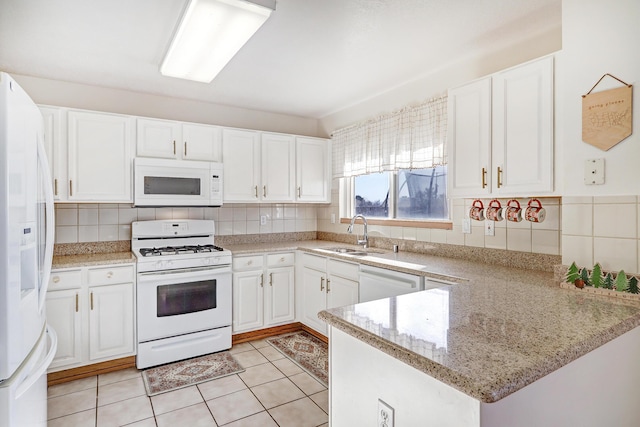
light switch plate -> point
(594, 172)
(466, 225)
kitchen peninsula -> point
(504, 350)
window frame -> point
(347, 207)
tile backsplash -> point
(602, 229)
(586, 230)
(77, 223)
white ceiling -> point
(311, 58)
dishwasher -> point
(377, 283)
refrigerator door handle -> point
(49, 220)
(43, 366)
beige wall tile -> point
(519, 240)
(545, 242)
(578, 249)
(616, 254)
(577, 220)
(615, 220)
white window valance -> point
(412, 138)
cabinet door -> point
(279, 298)
(313, 298)
(63, 314)
(523, 129)
(111, 321)
(56, 150)
(158, 138)
(99, 157)
(469, 136)
(341, 292)
(278, 167)
(241, 158)
(201, 142)
(313, 169)
(248, 288)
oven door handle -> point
(187, 273)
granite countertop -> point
(92, 259)
(451, 269)
(492, 335)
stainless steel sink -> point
(348, 251)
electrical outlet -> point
(263, 220)
(466, 225)
(594, 172)
(385, 414)
(489, 228)
(333, 218)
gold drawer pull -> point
(56, 279)
(322, 283)
(499, 177)
(328, 283)
(261, 280)
(110, 275)
(77, 303)
(484, 177)
(91, 300)
(270, 279)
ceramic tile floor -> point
(272, 391)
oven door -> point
(178, 302)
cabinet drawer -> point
(280, 260)
(253, 262)
(343, 269)
(111, 275)
(315, 262)
(65, 280)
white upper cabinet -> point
(241, 159)
(501, 133)
(56, 150)
(175, 140)
(99, 156)
(272, 167)
(278, 167)
(469, 135)
(523, 129)
(201, 142)
(313, 170)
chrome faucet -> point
(365, 237)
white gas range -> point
(183, 291)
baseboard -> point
(266, 333)
(276, 330)
(72, 374)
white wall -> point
(599, 36)
(451, 75)
(65, 94)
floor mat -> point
(307, 351)
(162, 379)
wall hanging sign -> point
(607, 115)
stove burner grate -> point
(179, 250)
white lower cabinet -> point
(92, 311)
(326, 283)
(263, 291)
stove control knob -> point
(206, 261)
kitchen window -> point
(415, 197)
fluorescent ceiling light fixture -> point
(211, 32)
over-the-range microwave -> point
(166, 182)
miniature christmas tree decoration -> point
(608, 281)
(621, 281)
(584, 275)
(573, 273)
(633, 285)
(596, 276)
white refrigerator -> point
(27, 344)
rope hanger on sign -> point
(605, 75)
